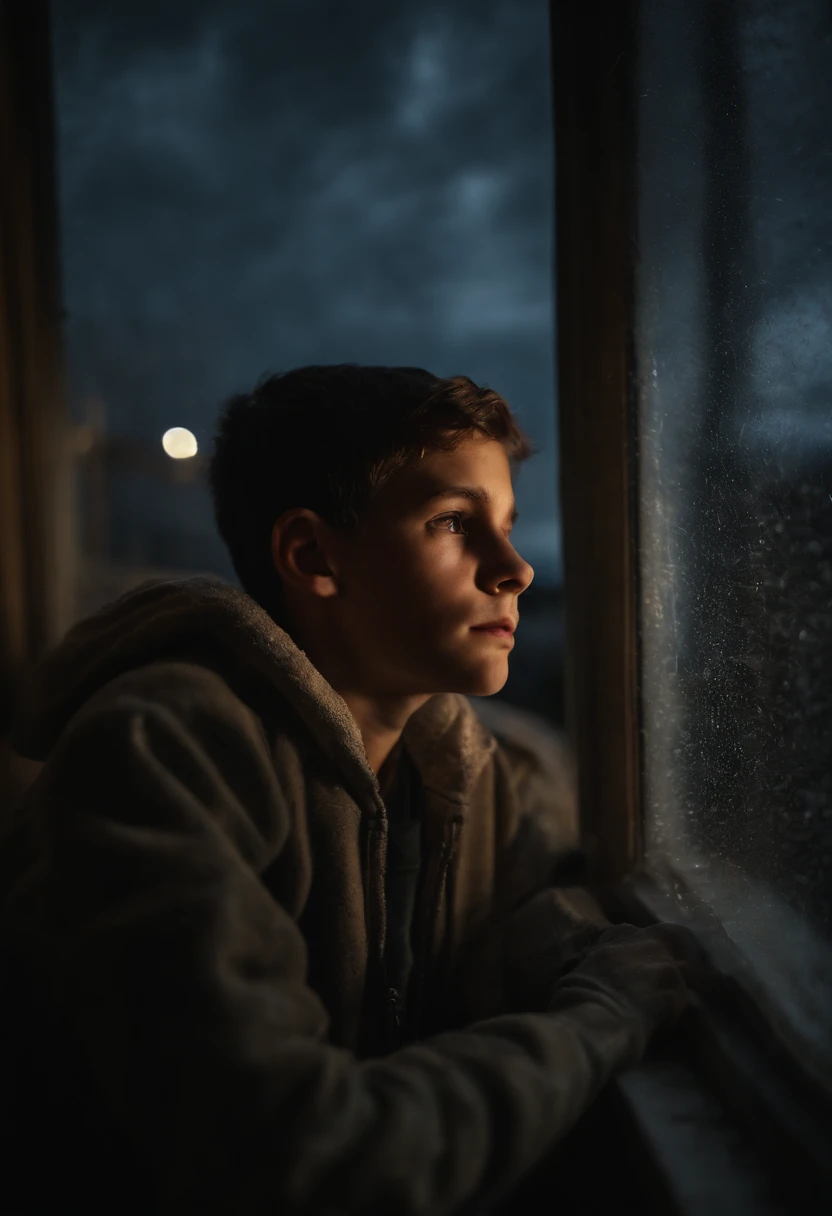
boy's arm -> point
(144, 917)
(549, 920)
(542, 921)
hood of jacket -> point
(206, 616)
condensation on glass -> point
(734, 350)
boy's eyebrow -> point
(476, 493)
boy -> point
(280, 916)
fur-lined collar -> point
(445, 738)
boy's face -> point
(432, 565)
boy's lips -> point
(504, 628)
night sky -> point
(249, 187)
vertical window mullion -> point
(593, 71)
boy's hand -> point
(651, 970)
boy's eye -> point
(451, 523)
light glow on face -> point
(179, 443)
(433, 562)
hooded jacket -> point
(193, 938)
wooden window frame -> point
(36, 536)
(593, 56)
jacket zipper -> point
(404, 1025)
(422, 963)
(394, 1020)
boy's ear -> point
(302, 552)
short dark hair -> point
(327, 437)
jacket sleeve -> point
(542, 920)
(143, 915)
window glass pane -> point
(735, 403)
(249, 187)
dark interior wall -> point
(35, 544)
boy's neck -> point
(381, 722)
(381, 718)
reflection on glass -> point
(735, 403)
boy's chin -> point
(475, 679)
(484, 683)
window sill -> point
(690, 1159)
(722, 1075)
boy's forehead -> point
(479, 464)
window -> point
(733, 319)
(696, 390)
